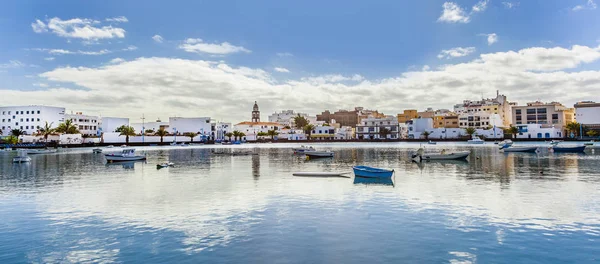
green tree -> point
(242, 135)
(126, 131)
(67, 128)
(426, 134)
(384, 132)
(308, 130)
(300, 121)
(46, 131)
(11, 140)
(161, 132)
(149, 131)
(573, 127)
(236, 134)
(287, 127)
(591, 133)
(229, 135)
(513, 130)
(272, 133)
(191, 135)
(470, 131)
(17, 132)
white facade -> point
(29, 118)
(417, 129)
(251, 129)
(86, 124)
(417, 126)
(139, 127)
(483, 112)
(110, 124)
(286, 118)
(180, 125)
(344, 133)
(323, 132)
(588, 113)
(539, 131)
(221, 129)
(479, 120)
(370, 127)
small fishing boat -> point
(110, 146)
(321, 174)
(165, 165)
(318, 154)
(302, 149)
(520, 149)
(420, 155)
(505, 143)
(555, 142)
(371, 172)
(126, 155)
(21, 157)
(573, 149)
(123, 146)
(591, 143)
(97, 150)
(41, 151)
(173, 144)
(431, 142)
(475, 140)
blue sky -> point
(381, 42)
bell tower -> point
(255, 113)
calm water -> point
(495, 208)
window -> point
(8, 120)
(531, 117)
(554, 116)
(530, 111)
(26, 127)
(21, 127)
(38, 120)
(518, 118)
(9, 112)
(21, 119)
(38, 112)
(27, 112)
(21, 112)
(27, 120)
(542, 117)
(541, 110)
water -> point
(495, 208)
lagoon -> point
(495, 207)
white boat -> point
(555, 142)
(110, 146)
(165, 165)
(431, 142)
(41, 151)
(420, 155)
(97, 150)
(520, 149)
(321, 174)
(173, 144)
(21, 157)
(302, 149)
(476, 140)
(318, 154)
(125, 155)
(505, 143)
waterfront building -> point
(407, 115)
(200, 125)
(539, 131)
(286, 118)
(343, 117)
(587, 113)
(323, 132)
(221, 129)
(549, 115)
(417, 128)
(345, 133)
(450, 121)
(29, 118)
(154, 126)
(88, 125)
(251, 129)
(110, 124)
(485, 113)
(370, 128)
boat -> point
(125, 155)
(520, 149)
(318, 154)
(110, 146)
(573, 149)
(123, 146)
(505, 143)
(591, 143)
(302, 149)
(555, 142)
(431, 142)
(183, 144)
(165, 165)
(374, 181)
(41, 151)
(173, 144)
(97, 150)
(371, 172)
(460, 155)
(321, 174)
(21, 157)
(475, 140)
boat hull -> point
(475, 142)
(451, 156)
(45, 151)
(373, 181)
(318, 154)
(579, 149)
(369, 172)
(114, 158)
(521, 149)
(21, 159)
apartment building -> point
(547, 114)
(29, 118)
(86, 124)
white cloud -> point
(130, 48)
(158, 38)
(43, 85)
(116, 60)
(491, 38)
(480, 6)
(49, 59)
(278, 69)
(86, 29)
(120, 19)
(456, 52)
(453, 13)
(12, 64)
(510, 5)
(199, 46)
(285, 54)
(80, 52)
(590, 4)
(139, 85)
(426, 68)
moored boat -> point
(21, 157)
(460, 155)
(475, 140)
(97, 150)
(165, 165)
(431, 142)
(505, 143)
(302, 149)
(318, 154)
(371, 172)
(520, 149)
(374, 181)
(571, 149)
(41, 151)
(125, 155)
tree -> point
(149, 131)
(236, 134)
(191, 135)
(308, 130)
(592, 133)
(17, 132)
(261, 134)
(162, 132)
(67, 128)
(272, 133)
(470, 131)
(126, 131)
(46, 131)
(242, 135)
(11, 140)
(573, 127)
(426, 134)
(300, 121)
(229, 135)
(513, 130)
(384, 132)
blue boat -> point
(577, 149)
(374, 181)
(370, 172)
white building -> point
(485, 112)
(221, 129)
(201, 125)
(29, 118)
(251, 129)
(369, 128)
(110, 124)
(588, 114)
(86, 124)
(323, 132)
(417, 127)
(286, 118)
(155, 126)
(539, 131)
(345, 133)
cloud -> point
(49, 59)
(456, 52)
(116, 60)
(590, 5)
(130, 88)
(278, 69)
(426, 68)
(12, 64)
(453, 13)
(285, 54)
(491, 38)
(198, 46)
(120, 19)
(80, 28)
(80, 52)
(130, 48)
(158, 38)
(510, 5)
(480, 6)
(43, 85)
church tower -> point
(255, 113)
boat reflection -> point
(130, 165)
(374, 181)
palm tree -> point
(300, 121)
(46, 131)
(308, 129)
(513, 130)
(126, 131)
(17, 132)
(242, 135)
(161, 133)
(384, 132)
(67, 128)
(573, 127)
(591, 133)
(149, 131)
(261, 134)
(11, 140)
(470, 131)
(272, 134)
(236, 134)
(229, 135)
(426, 134)
(191, 135)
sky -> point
(215, 58)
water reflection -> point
(374, 181)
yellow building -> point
(407, 116)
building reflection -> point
(256, 166)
